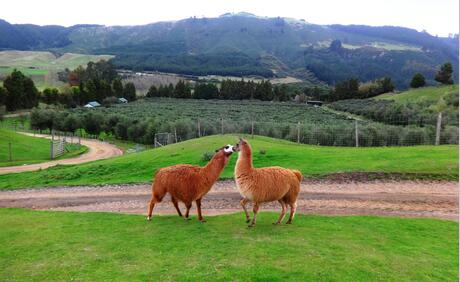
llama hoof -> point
(276, 223)
(289, 222)
(149, 218)
(187, 218)
(248, 220)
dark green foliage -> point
(3, 96)
(417, 81)
(50, 96)
(206, 91)
(129, 91)
(346, 89)
(153, 92)
(20, 92)
(444, 75)
(117, 87)
(182, 90)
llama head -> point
(240, 145)
(227, 150)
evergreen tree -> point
(153, 92)
(417, 81)
(444, 75)
(129, 91)
(20, 92)
(117, 88)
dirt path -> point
(97, 150)
(387, 198)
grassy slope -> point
(60, 246)
(432, 94)
(311, 160)
(28, 150)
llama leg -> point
(292, 213)
(255, 210)
(283, 212)
(243, 203)
(188, 206)
(198, 208)
(174, 201)
(151, 205)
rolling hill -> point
(245, 44)
(312, 161)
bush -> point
(207, 156)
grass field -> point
(429, 94)
(44, 246)
(43, 66)
(29, 150)
(313, 161)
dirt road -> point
(97, 150)
(438, 199)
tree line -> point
(229, 90)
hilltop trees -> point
(20, 92)
(417, 81)
(444, 75)
(206, 91)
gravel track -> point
(435, 199)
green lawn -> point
(431, 94)
(64, 246)
(439, 162)
(29, 150)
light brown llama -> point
(188, 183)
(260, 185)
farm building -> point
(92, 104)
(122, 100)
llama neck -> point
(244, 162)
(213, 169)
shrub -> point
(207, 156)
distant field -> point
(429, 94)
(29, 150)
(386, 46)
(312, 161)
(42, 66)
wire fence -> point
(353, 133)
(349, 131)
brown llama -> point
(267, 184)
(188, 183)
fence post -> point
(175, 135)
(438, 129)
(10, 158)
(252, 129)
(199, 129)
(222, 125)
(298, 132)
(356, 133)
(51, 149)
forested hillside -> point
(244, 44)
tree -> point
(129, 91)
(2, 96)
(206, 91)
(117, 88)
(417, 81)
(153, 92)
(50, 96)
(182, 90)
(20, 92)
(444, 75)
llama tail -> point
(297, 174)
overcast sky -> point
(439, 17)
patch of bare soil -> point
(437, 199)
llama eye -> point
(226, 147)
